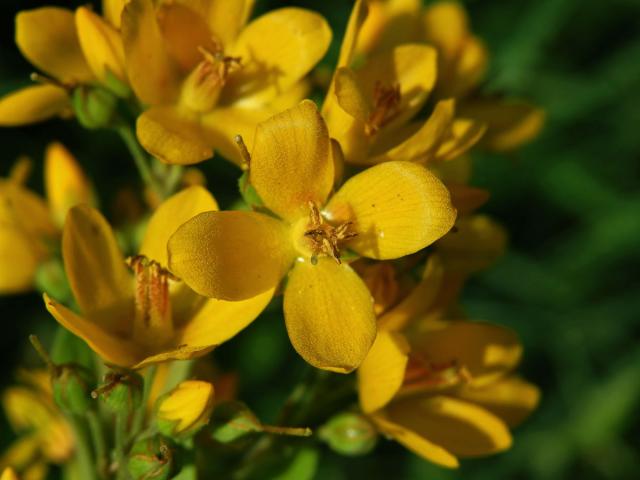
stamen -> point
(386, 100)
(422, 373)
(244, 152)
(326, 238)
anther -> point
(326, 238)
(244, 152)
(386, 100)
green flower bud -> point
(94, 106)
(233, 420)
(349, 434)
(150, 459)
(185, 409)
(121, 392)
(71, 386)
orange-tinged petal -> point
(227, 17)
(231, 255)
(486, 351)
(113, 349)
(170, 215)
(218, 320)
(291, 163)
(47, 38)
(461, 428)
(418, 301)
(382, 372)
(112, 11)
(65, 182)
(510, 123)
(398, 208)
(465, 198)
(33, 104)
(511, 399)
(18, 260)
(97, 273)
(277, 50)
(101, 45)
(463, 135)
(419, 444)
(172, 136)
(151, 72)
(329, 315)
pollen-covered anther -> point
(152, 299)
(422, 373)
(326, 238)
(386, 100)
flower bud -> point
(94, 106)
(186, 409)
(349, 434)
(151, 458)
(71, 386)
(121, 392)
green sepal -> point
(349, 434)
(248, 193)
(151, 459)
(232, 421)
(71, 388)
(95, 107)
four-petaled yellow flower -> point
(150, 316)
(443, 389)
(73, 49)
(387, 211)
(207, 76)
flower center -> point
(386, 100)
(153, 323)
(321, 238)
(203, 85)
(422, 374)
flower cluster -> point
(355, 221)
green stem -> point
(99, 444)
(138, 418)
(140, 158)
(120, 441)
(83, 452)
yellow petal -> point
(329, 315)
(446, 26)
(382, 372)
(466, 199)
(487, 351)
(33, 104)
(510, 123)
(22, 209)
(101, 45)
(420, 445)
(170, 215)
(152, 75)
(277, 50)
(422, 145)
(227, 17)
(511, 399)
(291, 162)
(65, 182)
(172, 136)
(418, 301)
(390, 23)
(478, 242)
(8, 474)
(350, 95)
(398, 208)
(463, 135)
(218, 320)
(189, 405)
(356, 19)
(461, 428)
(97, 274)
(47, 38)
(231, 255)
(181, 352)
(111, 348)
(112, 11)
(19, 259)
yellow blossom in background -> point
(72, 49)
(44, 435)
(141, 313)
(387, 211)
(29, 224)
(206, 74)
(443, 389)
(8, 474)
(186, 409)
(373, 102)
(462, 64)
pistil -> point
(386, 100)
(325, 238)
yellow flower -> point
(186, 408)
(45, 436)
(73, 49)
(29, 225)
(372, 105)
(207, 75)
(462, 64)
(443, 389)
(387, 211)
(150, 316)
(8, 474)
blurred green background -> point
(569, 284)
